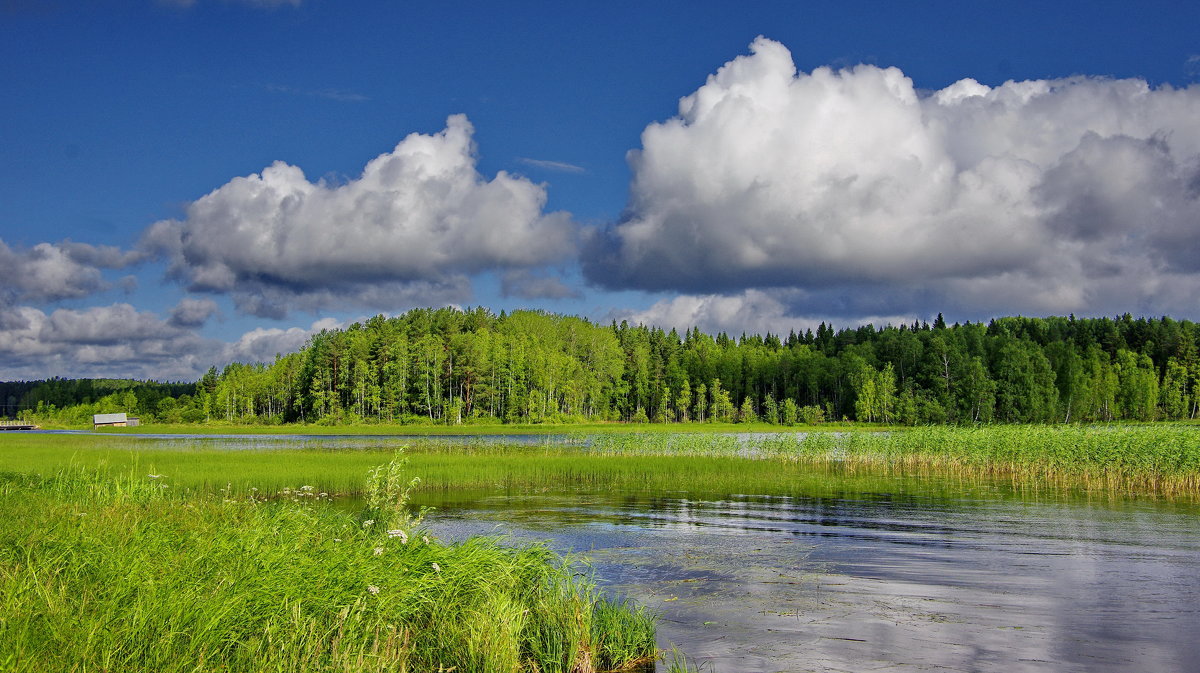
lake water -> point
(991, 581)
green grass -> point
(1161, 459)
(471, 429)
(122, 574)
(1149, 459)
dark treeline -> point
(104, 395)
(450, 366)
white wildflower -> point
(337, 539)
(373, 589)
(156, 476)
(379, 551)
(368, 523)
(400, 534)
(436, 567)
(425, 539)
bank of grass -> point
(1146, 459)
(104, 573)
(385, 429)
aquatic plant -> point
(126, 573)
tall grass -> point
(104, 573)
(1124, 458)
(1150, 459)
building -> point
(114, 421)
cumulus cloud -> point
(121, 341)
(116, 340)
(263, 344)
(529, 285)
(415, 223)
(1079, 194)
(192, 312)
(54, 271)
(751, 312)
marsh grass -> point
(126, 573)
(1139, 459)
(1148, 459)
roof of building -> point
(110, 418)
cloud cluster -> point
(121, 341)
(1079, 194)
(116, 340)
(750, 312)
(50, 272)
(410, 229)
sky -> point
(185, 183)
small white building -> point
(120, 420)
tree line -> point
(452, 366)
(84, 397)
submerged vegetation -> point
(134, 573)
(452, 367)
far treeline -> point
(449, 366)
(84, 397)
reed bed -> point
(1152, 459)
(1145, 459)
(104, 573)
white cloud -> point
(54, 271)
(121, 341)
(409, 228)
(558, 166)
(116, 340)
(339, 95)
(263, 344)
(751, 312)
(1040, 196)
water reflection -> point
(892, 581)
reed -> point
(1143, 459)
(1121, 458)
(104, 573)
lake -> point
(912, 580)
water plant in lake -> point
(1135, 458)
(1153, 459)
(124, 573)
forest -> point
(449, 366)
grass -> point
(103, 573)
(1147, 459)
(473, 429)
(1152, 459)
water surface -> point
(988, 581)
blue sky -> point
(834, 170)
